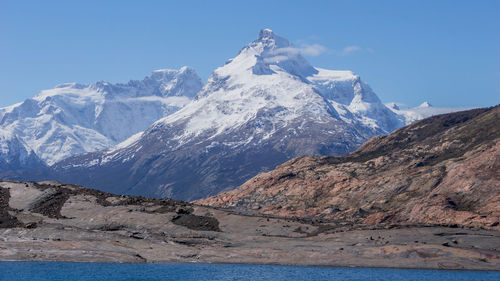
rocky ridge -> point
(443, 169)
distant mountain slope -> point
(443, 169)
(263, 107)
(74, 118)
(424, 110)
(15, 154)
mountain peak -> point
(265, 33)
(165, 71)
(162, 74)
(269, 54)
(425, 104)
(271, 40)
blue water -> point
(107, 271)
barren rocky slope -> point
(444, 169)
(56, 222)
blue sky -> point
(445, 52)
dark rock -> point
(203, 223)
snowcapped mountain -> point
(261, 108)
(15, 154)
(424, 110)
(74, 118)
(269, 75)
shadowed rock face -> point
(444, 169)
(50, 221)
(6, 219)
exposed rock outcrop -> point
(50, 221)
(441, 170)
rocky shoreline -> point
(49, 221)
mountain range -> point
(170, 136)
(74, 118)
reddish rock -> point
(441, 170)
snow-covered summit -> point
(265, 106)
(266, 55)
(75, 118)
(425, 104)
(267, 33)
(162, 83)
(269, 74)
(424, 110)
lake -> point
(172, 271)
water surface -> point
(110, 271)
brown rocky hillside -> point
(441, 170)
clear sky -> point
(444, 52)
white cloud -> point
(349, 49)
(287, 51)
(275, 59)
(313, 50)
